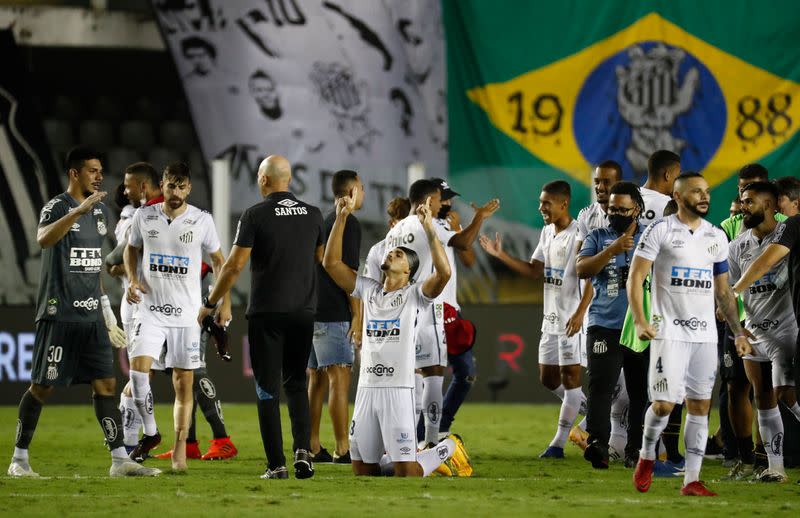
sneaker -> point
(643, 475)
(665, 469)
(579, 438)
(713, 450)
(146, 444)
(677, 466)
(128, 468)
(459, 463)
(303, 466)
(772, 476)
(614, 455)
(631, 460)
(280, 472)
(342, 459)
(220, 449)
(740, 471)
(192, 452)
(552, 452)
(20, 468)
(696, 488)
(597, 454)
(323, 456)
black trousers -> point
(606, 357)
(280, 344)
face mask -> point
(444, 211)
(620, 223)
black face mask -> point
(619, 222)
(444, 211)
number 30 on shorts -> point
(54, 353)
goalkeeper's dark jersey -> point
(69, 288)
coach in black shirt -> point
(285, 238)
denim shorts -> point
(331, 345)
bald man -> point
(285, 238)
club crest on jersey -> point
(713, 250)
(186, 237)
(101, 227)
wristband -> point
(207, 304)
(740, 335)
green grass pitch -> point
(503, 440)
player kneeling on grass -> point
(383, 419)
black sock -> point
(671, 435)
(206, 397)
(269, 422)
(30, 409)
(191, 436)
(107, 412)
(760, 456)
(745, 445)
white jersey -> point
(684, 265)
(375, 256)
(449, 294)
(172, 256)
(388, 354)
(121, 233)
(768, 302)
(654, 203)
(561, 288)
(410, 234)
(590, 218)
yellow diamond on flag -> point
(650, 86)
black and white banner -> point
(28, 178)
(330, 84)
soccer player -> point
(431, 345)
(337, 324)
(592, 217)
(397, 210)
(72, 342)
(561, 348)
(171, 236)
(663, 167)
(383, 419)
(689, 260)
(768, 307)
(605, 258)
(789, 199)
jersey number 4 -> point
(659, 367)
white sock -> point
(143, 398)
(432, 458)
(21, 454)
(653, 426)
(771, 427)
(795, 410)
(559, 392)
(695, 435)
(417, 397)
(131, 420)
(119, 453)
(432, 406)
(619, 411)
(566, 417)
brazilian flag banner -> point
(539, 91)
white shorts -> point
(781, 355)
(562, 350)
(383, 422)
(431, 344)
(177, 347)
(680, 370)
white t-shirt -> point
(172, 256)
(120, 233)
(410, 234)
(768, 302)
(590, 218)
(654, 203)
(684, 266)
(561, 288)
(388, 354)
(375, 256)
(449, 294)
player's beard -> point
(175, 203)
(694, 209)
(753, 219)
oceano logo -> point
(91, 303)
(166, 309)
(694, 324)
(380, 369)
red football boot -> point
(643, 475)
(221, 449)
(696, 488)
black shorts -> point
(68, 353)
(731, 365)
